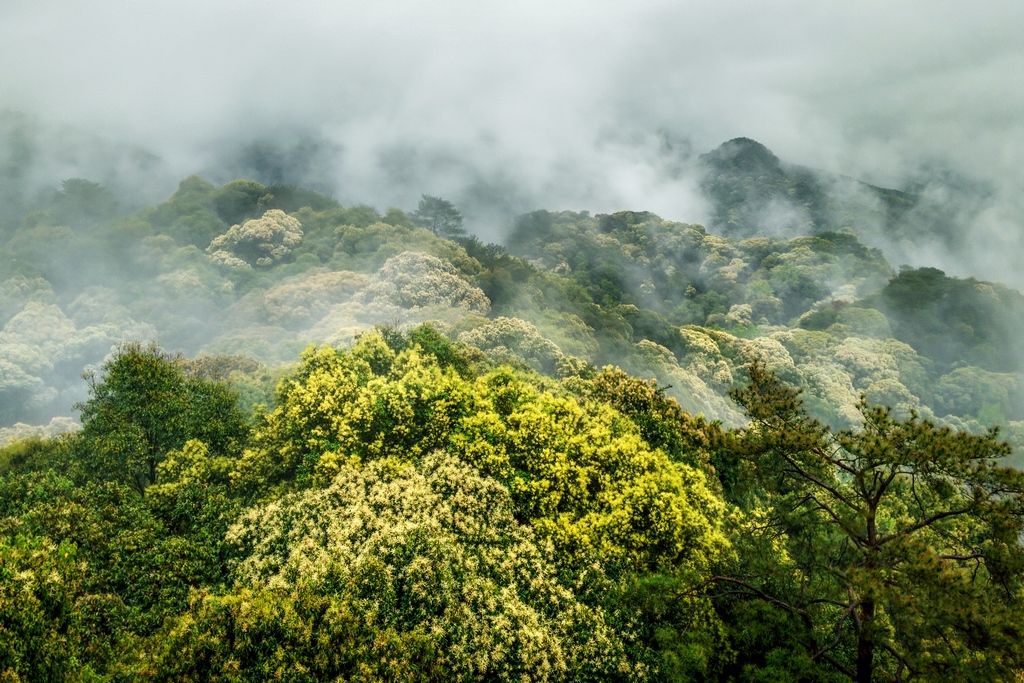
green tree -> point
(390, 570)
(41, 633)
(439, 216)
(891, 550)
(239, 201)
(143, 406)
(82, 202)
(136, 569)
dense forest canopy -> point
(412, 509)
(321, 442)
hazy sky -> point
(583, 105)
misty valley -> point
(248, 433)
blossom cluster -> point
(258, 242)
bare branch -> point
(817, 482)
(759, 593)
(922, 524)
(839, 635)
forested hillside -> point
(317, 442)
(259, 273)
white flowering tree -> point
(395, 572)
(417, 280)
(258, 242)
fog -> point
(505, 108)
(502, 109)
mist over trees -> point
(412, 509)
(325, 442)
(439, 216)
(531, 342)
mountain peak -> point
(744, 155)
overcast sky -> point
(578, 105)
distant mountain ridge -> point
(939, 218)
(753, 192)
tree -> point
(890, 549)
(143, 406)
(239, 201)
(40, 587)
(82, 202)
(394, 572)
(439, 216)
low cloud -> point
(507, 108)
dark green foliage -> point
(951, 319)
(753, 193)
(662, 422)
(143, 406)
(82, 202)
(677, 634)
(218, 368)
(289, 198)
(129, 551)
(240, 200)
(889, 548)
(503, 276)
(361, 216)
(647, 324)
(302, 636)
(530, 227)
(448, 354)
(135, 558)
(624, 221)
(190, 215)
(439, 216)
(819, 320)
(27, 455)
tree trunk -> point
(866, 643)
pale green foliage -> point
(512, 339)
(578, 471)
(182, 282)
(864, 321)
(418, 280)
(834, 371)
(739, 315)
(41, 633)
(366, 404)
(968, 390)
(297, 301)
(322, 306)
(703, 357)
(364, 249)
(192, 465)
(433, 549)
(568, 332)
(691, 384)
(18, 291)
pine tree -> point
(439, 216)
(890, 548)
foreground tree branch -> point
(926, 522)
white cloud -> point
(538, 104)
